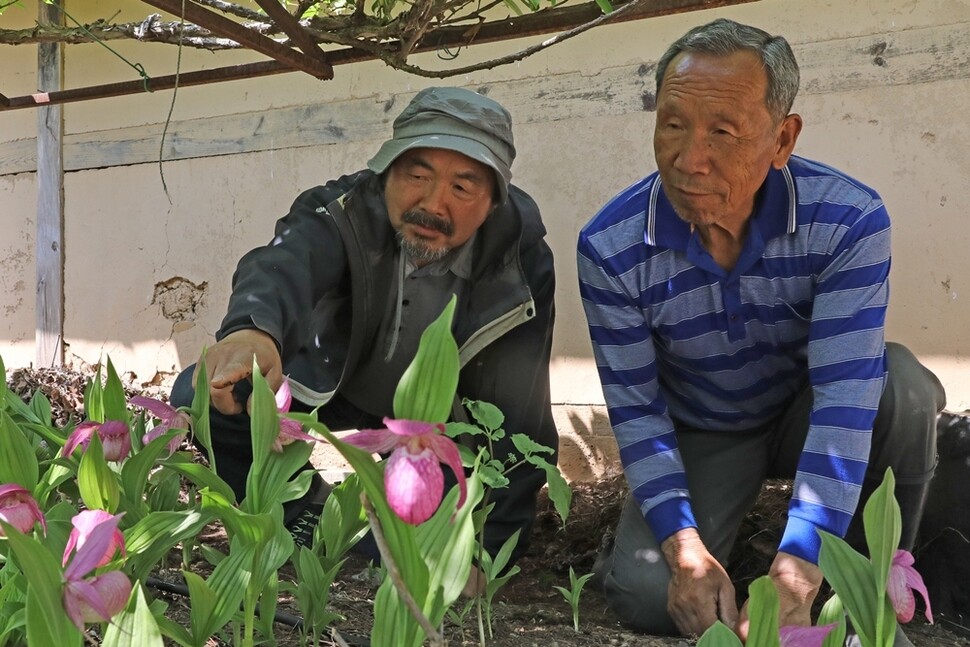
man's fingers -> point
(224, 400)
(274, 377)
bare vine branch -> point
(517, 56)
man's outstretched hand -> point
(230, 360)
(700, 591)
(797, 582)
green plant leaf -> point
(113, 396)
(559, 491)
(852, 578)
(134, 473)
(883, 526)
(201, 427)
(228, 583)
(18, 462)
(203, 602)
(447, 544)
(149, 540)
(528, 447)
(343, 522)
(485, 413)
(3, 385)
(763, 630)
(135, 626)
(96, 482)
(427, 388)
(718, 635)
(832, 611)
(94, 398)
(203, 477)
(41, 407)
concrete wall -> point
(884, 90)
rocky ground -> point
(530, 611)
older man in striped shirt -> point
(736, 302)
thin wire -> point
(171, 106)
(138, 67)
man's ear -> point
(788, 132)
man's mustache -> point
(425, 219)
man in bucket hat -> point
(360, 266)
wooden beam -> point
(223, 26)
(292, 27)
(49, 248)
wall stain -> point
(877, 51)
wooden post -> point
(49, 250)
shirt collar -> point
(774, 212)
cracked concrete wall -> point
(17, 216)
(147, 273)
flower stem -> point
(437, 640)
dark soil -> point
(528, 612)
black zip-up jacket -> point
(321, 286)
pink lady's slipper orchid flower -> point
(114, 434)
(413, 478)
(169, 418)
(98, 598)
(19, 509)
(903, 580)
(290, 430)
(796, 636)
(84, 524)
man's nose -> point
(693, 153)
(435, 198)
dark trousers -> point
(725, 473)
(232, 441)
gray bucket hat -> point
(456, 119)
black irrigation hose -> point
(281, 617)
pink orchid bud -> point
(168, 418)
(903, 580)
(114, 435)
(84, 524)
(19, 509)
(96, 599)
(290, 430)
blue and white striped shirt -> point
(675, 336)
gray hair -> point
(724, 37)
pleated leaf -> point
(883, 524)
(96, 482)
(18, 461)
(718, 635)
(135, 626)
(427, 388)
(852, 578)
(764, 608)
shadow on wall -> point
(587, 448)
